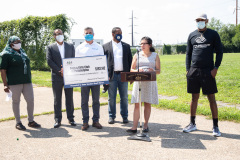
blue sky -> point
(165, 21)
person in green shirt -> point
(16, 77)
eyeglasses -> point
(143, 44)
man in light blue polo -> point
(90, 48)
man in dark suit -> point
(119, 59)
(55, 53)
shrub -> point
(35, 34)
(167, 49)
(181, 49)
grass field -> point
(43, 79)
(172, 82)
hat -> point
(202, 16)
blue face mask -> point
(201, 24)
(88, 37)
(118, 37)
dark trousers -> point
(57, 87)
(95, 102)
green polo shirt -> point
(14, 66)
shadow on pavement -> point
(225, 135)
(47, 133)
(170, 135)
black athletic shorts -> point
(201, 78)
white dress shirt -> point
(118, 56)
(86, 49)
(61, 49)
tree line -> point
(229, 34)
(35, 33)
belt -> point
(117, 72)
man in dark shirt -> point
(201, 70)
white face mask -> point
(60, 38)
(16, 46)
(201, 24)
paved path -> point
(43, 102)
(66, 142)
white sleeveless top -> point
(149, 90)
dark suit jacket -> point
(127, 57)
(54, 59)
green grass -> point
(43, 79)
(172, 82)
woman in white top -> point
(148, 62)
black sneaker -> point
(131, 131)
(34, 124)
(20, 126)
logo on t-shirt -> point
(200, 39)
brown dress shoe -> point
(97, 125)
(85, 126)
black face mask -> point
(118, 37)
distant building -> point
(77, 42)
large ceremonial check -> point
(85, 71)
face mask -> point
(201, 24)
(118, 37)
(88, 37)
(60, 38)
(16, 46)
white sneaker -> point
(216, 132)
(189, 128)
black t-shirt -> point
(200, 49)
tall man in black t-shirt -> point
(201, 70)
